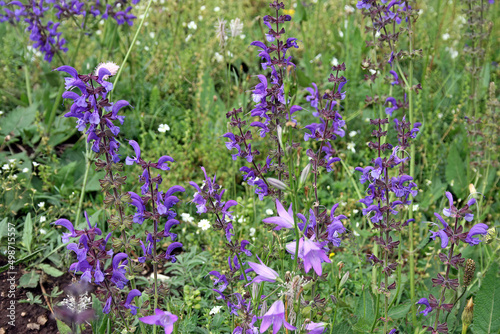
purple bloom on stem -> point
(161, 318)
(428, 308)
(118, 276)
(170, 249)
(66, 223)
(478, 229)
(131, 295)
(137, 150)
(285, 219)
(275, 316)
(441, 233)
(316, 328)
(396, 78)
(107, 306)
(311, 253)
(390, 110)
(264, 273)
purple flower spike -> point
(478, 229)
(285, 219)
(170, 249)
(264, 273)
(131, 295)
(276, 317)
(161, 318)
(428, 308)
(107, 306)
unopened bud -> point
(277, 183)
(344, 279)
(304, 175)
(470, 267)
(467, 315)
(490, 235)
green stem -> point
(28, 85)
(131, 46)
(88, 161)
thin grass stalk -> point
(88, 161)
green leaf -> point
(300, 13)
(342, 328)
(63, 328)
(18, 119)
(49, 270)
(456, 172)
(28, 232)
(400, 311)
(29, 280)
(487, 304)
(3, 228)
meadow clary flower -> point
(478, 229)
(131, 295)
(161, 318)
(285, 219)
(428, 308)
(264, 273)
(275, 316)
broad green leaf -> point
(49, 270)
(18, 119)
(29, 280)
(342, 328)
(28, 232)
(456, 172)
(3, 228)
(400, 311)
(487, 304)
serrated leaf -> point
(456, 172)
(400, 311)
(29, 280)
(487, 304)
(49, 270)
(18, 119)
(28, 232)
(342, 328)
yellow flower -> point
(289, 11)
(332, 254)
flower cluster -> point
(272, 107)
(450, 238)
(45, 36)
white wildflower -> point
(352, 133)
(12, 177)
(41, 205)
(341, 34)
(110, 66)
(188, 37)
(77, 304)
(202, 8)
(252, 231)
(192, 25)
(218, 57)
(204, 224)
(415, 207)
(269, 212)
(43, 231)
(215, 310)
(349, 9)
(25, 170)
(445, 37)
(236, 27)
(187, 217)
(216, 9)
(35, 163)
(351, 146)
(220, 30)
(152, 34)
(6, 167)
(163, 128)
(42, 219)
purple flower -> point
(478, 229)
(118, 276)
(131, 295)
(275, 316)
(440, 233)
(311, 253)
(66, 223)
(316, 328)
(428, 308)
(161, 318)
(285, 219)
(107, 305)
(390, 110)
(170, 248)
(264, 273)
(396, 78)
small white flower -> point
(356, 234)
(242, 36)
(98, 32)
(163, 128)
(187, 217)
(415, 207)
(218, 57)
(146, 48)
(12, 177)
(204, 224)
(6, 167)
(236, 27)
(101, 22)
(216, 9)
(110, 66)
(192, 25)
(355, 211)
(445, 37)
(137, 42)
(352, 133)
(252, 231)
(351, 146)
(215, 310)
(12, 161)
(230, 54)
(341, 34)
(372, 71)
(42, 219)
(343, 203)
(42, 231)
(269, 212)
(35, 163)
(202, 8)
(25, 170)
(428, 182)
(200, 18)
(349, 9)
(152, 34)
(1, 112)
(41, 205)
(188, 37)
(440, 115)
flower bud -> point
(488, 238)
(467, 315)
(470, 267)
(304, 175)
(277, 183)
